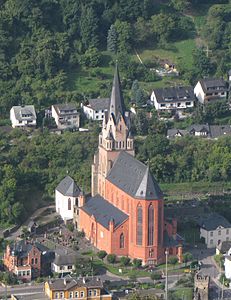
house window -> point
(69, 204)
(36, 261)
(61, 295)
(69, 267)
(56, 295)
(32, 261)
(211, 242)
(150, 225)
(227, 231)
(121, 241)
(219, 232)
(28, 273)
(81, 294)
(95, 292)
(139, 226)
(227, 239)
(71, 295)
(90, 293)
(76, 294)
(211, 233)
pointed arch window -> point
(69, 204)
(121, 241)
(139, 225)
(150, 225)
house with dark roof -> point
(125, 213)
(215, 229)
(64, 263)
(95, 108)
(74, 288)
(211, 89)
(27, 260)
(66, 196)
(223, 247)
(23, 116)
(65, 115)
(170, 98)
(201, 130)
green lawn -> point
(184, 293)
(179, 52)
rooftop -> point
(134, 178)
(209, 84)
(24, 112)
(173, 94)
(68, 187)
(99, 103)
(103, 211)
(213, 221)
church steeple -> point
(116, 101)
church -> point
(125, 213)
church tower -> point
(114, 138)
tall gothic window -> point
(139, 226)
(69, 204)
(121, 241)
(159, 225)
(150, 225)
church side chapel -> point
(125, 213)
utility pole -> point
(222, 290)
(166, 274)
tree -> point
(141, 123)
(101, 254)
(202, 63)
(155, 276)
(180, 5)
(124, 36)
(187, 257)
(173, 260)
(91, 57)
(112, 39)
(111, 258)
(124, 260)
(137, 262)
(88, 27)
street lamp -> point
(166, 274)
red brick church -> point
(125, 214)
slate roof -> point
(68, 187)
(116, 100)
(99, 103)
(213, 221)
(171, 133)
(66, 283)
(22, 248)
(199, 128)
(103, 211)
(29, 110)
(134, 178)
(213, 84)
(174, 94)
(219, 130)
(224, 247)
(65, 259)
(169, 241)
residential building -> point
(96, 108)
(65, 115)
(76, 288)
(211, 89)
(215, 229)
(173, 98)
(66, 196)
(26, 260)
(64, 263)
(125, 213)
(201, 130)
(23, 116)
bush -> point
(111, 258)
(173, 260)
(101, 254)
(70, 227)
(125, 260)
(187, 256)
(155, 276)
(137, 262)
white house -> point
(215, 229)
(66, 196)
(64, 263)
(23, 116)
(173, 98)
(65, 115)
(208, 90)
(95, 108)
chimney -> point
(84, 281)
(65, 281)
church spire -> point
(116, 101)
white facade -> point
(64, 205)
(170, 104)
(204, 97)
(23, 116)
(66, 116)
(214, 237)
(69, 268)
(93, 114)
